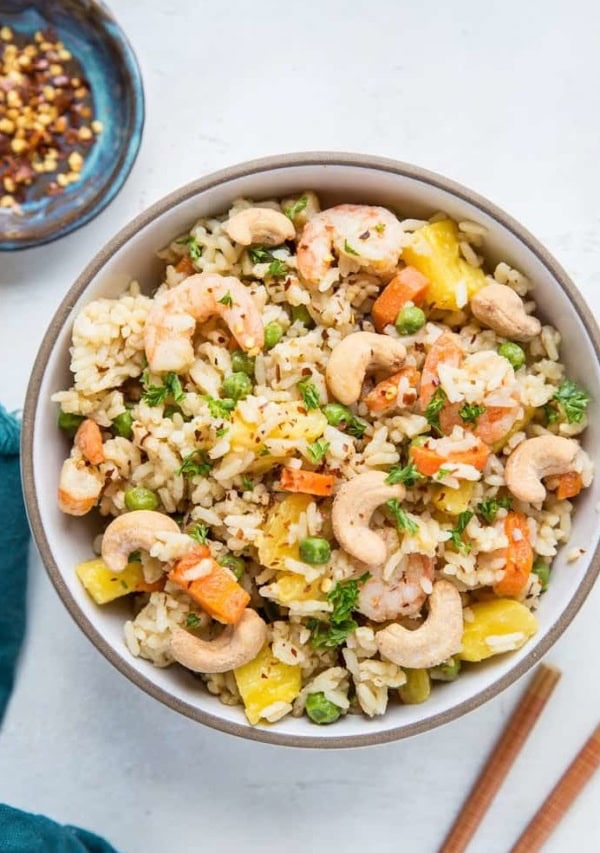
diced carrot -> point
(569, 485)
(519, 556)
(428, 461)
(446, 350)
(385, 394)
(217, 592)
(185, 265)
(409, 285)
(307, 482)
(88, 439)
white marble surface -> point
(501, 96)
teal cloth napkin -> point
(21, 832)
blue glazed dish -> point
(88, 29)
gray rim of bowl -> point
(273, 163)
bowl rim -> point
(275, 163)
(112, 31)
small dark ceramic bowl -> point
(90, 32)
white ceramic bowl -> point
(65, 541)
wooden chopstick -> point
(562, 796)
(501, 758)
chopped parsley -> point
(403, 522)
(573, 400)
(199, 532)
(195, 464)
(380, 227)
(221, 431)
(470, 412)
(171, 389)
(348, 249)
(356, 427)
(192, 620)
(489, 507)
(317, 450)
(247, 484)
(344, 597)
(442, 472)
(456, 533)
(407, 475)
(220, 408)
(227, 299)
(262, 255)
(297, 207)
(310, 393)
(434, 407)
(194, 250)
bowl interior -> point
(92, 35)
(66, 541)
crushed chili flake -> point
(47, 122)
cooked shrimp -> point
(371, 236)
(79, 487)
(88, 439)
(402, 595)
(172, 319)
(445, 350)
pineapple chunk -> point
(292, 587)
(272, 543)
(502, 618)
(264, 681)
(416, 688)
(294, 422)
(104, 585)
(434, 251)
(454, 501)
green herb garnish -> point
(247, 484)
(470, 412)
(573, 400)
(221, 431)
(442, 472)
(317, 450)
(220, 408)
(348, 249)
(310, 393)
(171, 389)
(194, 250)
(407, 475)
(434, 407)
(297, 207)
(344, 597)
(199, 532)
(380, 227)
(193, 621)
(227, 299)
(196, 464)
(456, 533)
(403, 522)
(489, 507)
(262, 255)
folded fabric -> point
(21, 832)
(14, 539)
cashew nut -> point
(501, 309)
(130, 532)
(237, 645)
(351, 513)
(437, 639)
(354, 356)
(260, 225)
(534, 459)
(79, 487)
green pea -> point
(542, 570)
(512, 352)
(315, 550)
(122, 425)
(447, 671)
(337, 414)
(410, 319)
(236, 564)
(417, 687)
(242, 363)
(320, 710)
(273, 334)
(237, 386)
(140, 498)
(300, 312)
(68, 422)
